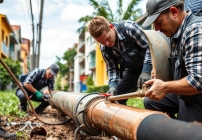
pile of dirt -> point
(48, 131)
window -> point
(6, 41)
(2, 37)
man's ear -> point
(174, 10)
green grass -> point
(9, 107)
(22, 135)
(9, 104)
(135, 102)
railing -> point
(81, 44)
(81, 59)
(4, 48)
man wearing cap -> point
(181, 96)
(33, 83)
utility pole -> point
(39, 31)
(33, 34)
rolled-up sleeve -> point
(193, 55)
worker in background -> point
(180, 97)
(33, 83)
(125, 51)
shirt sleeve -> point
(139, 37)
(192, 41)
(32, 76)
(112, 69)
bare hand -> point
(157, 90)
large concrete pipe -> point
(159, 46)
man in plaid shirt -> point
(181, 97)
(33, 83)
(125, 50)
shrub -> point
(5, 77)
(65, 87)
(89, 81)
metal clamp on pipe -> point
(139, 93)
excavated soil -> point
(45, 131)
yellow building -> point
(101, 76)
(5, 30)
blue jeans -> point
(23, 101)
(127, 84)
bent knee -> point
(148, 103)
(21, 96)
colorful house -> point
(5, 31)
(14, 51)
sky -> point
(59, 23)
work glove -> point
(112, 91)
(46, 97)
(38, 94)
(143, 78)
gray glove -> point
(112, 91)
(46, 97)
(143, 78)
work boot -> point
(6, 135)
(22, 108)
(40, 112)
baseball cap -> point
(54, 69)
(154, 9)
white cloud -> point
(74, 12)
(59, 24)
(51, 7)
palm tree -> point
(103, 9)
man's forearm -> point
(30, 87)
(180, 87)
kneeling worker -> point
(33, 83)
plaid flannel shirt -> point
(136, 33)
(32, 76)
(191, 42)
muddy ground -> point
(51, 132)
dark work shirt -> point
(32, 78)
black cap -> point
(155, 7)
(54, 69)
